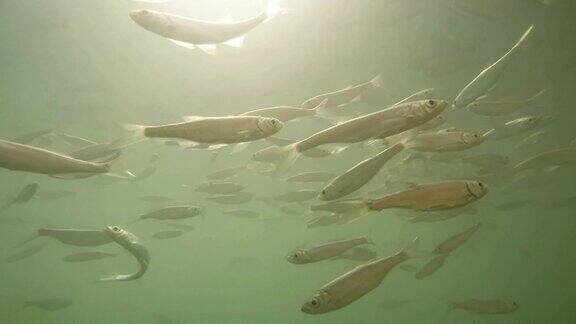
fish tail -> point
(412, 250)
(377, 81)
(133, 134)
(286, 156)
(30, 239)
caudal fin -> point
(284, 157)
(132, 134)
(377, 81)
(273, 9)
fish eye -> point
(430, 103)
(116, 229)
(295, 255)
(314, 302)
(481, 184)
(323, 192)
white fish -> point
(487, 79)
(132, 244)
(383, 123)
(325, 251)
(205, 35)
(502, 108)
(514, 127)
(359, 175)
(287, 113)
(343, 96)
(442, 141)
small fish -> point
(173, 212)
(87, 256)
(325, 251)
(433, 197)
(204, 35)
(238, 198)
(297, 196)
(359, 175)
(163, 235)
(145, 174)
(531, 139)
(354, 284)
(242, 213)
(310, 177)
(155, 198)
(223, 188)
(343, 96)
(548, 159)
(420, 95)
(358, 253)
(24, 253)
(431, 267)
(501, 108)
(49, 304)
(132, 244)
(486, 307)
(443, 141)
(331, 219)
(487, 79)
(182, 227)
(21, 157)
(225, 173)
(513, 128)
(25, 195)
(211, 130)
(287, 113)
(380, 124)
(76, 237)
(452, 243)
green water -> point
(82, 67)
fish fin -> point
(133, 134)
(207, 48)
(412, 249)
(235, 42)
(285, 157)
(377, 81)
(192, 118)
(321, 109)
(273, 9)
(183, 44)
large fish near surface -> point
(325, 251)
(201, 34)
(133, 245)
(343, 96)
(359, 175)
(383, 123)
(443, 141)
(501, 108)
(173, 212)
(354, 284)
(212, 130)
(514, 127)
(20, 157)
(487, 79)
(25, 195)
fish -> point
(24, 253)
(163, 235)
(354, 284)
(104, 152)
(343, 96)
(359, 175)
(224, 188)
(242, 213)
(531, 139)
(76, 237)
(325, 251)
(501, 108)
(548, 159)
(432, 197)
(225, 173)
(21, 157)
(431, 267)
(311, 177)
(144, 174)
(204, 35)
(287, 113)
(238, 198)
(210, 130)
(453, 242)
(133, 245)
(358, 253)
(486, 306)
(173, 212)
(443, 141)
(380, 124)
(323, 220)
(155, 198)
(419, 95)
(297, 196)
(24, 196)
(87, 256)
(30, 137)
(513, 128)
(487, 79)
(49, 304)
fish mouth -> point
(470, 192)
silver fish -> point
(24, 253)
(343, 96)
(76, 237)
(87, 256)
(225, 173)
(242, 213)
(30, 137)
(224, 188)
(452, 243)
(547, 159)
(443, 141)
(501, 108)
(238, 198)
(25, 195)
(173, 212)
(309, 177)
(431, 267)
(487, 79)
(420, 95)
(49, 304)
(514, 127)
(325, 251)
(359, 175)
(163, 235)
(132, 244)
(287, 113)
